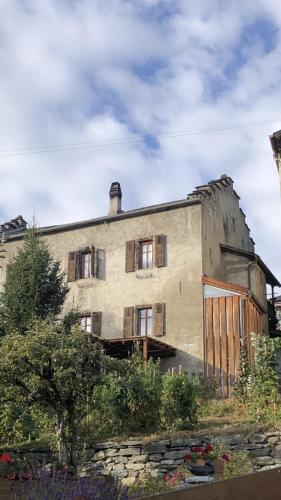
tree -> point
(35, 286)
(57, 368)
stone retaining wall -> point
(133, 459)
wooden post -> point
(145, 349)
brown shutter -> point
(71, 273)
(93, 261)
(138, 256)
(96, 323)
(160, 244)
(130, 256)
(128, 325)
(78, 265)
(158, 320)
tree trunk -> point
(72, 423)
(61, 439)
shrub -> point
(239, 464)
(129, 398)
(179, 409)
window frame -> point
(146, 317)
(89, 274)
(146, 243)
(86, 316)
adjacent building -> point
(275, 140)
(181, 279)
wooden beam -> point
(226, 286)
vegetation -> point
(55, 368)
(35, 287)
(259, 386)
(179, 407)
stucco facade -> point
(194, 230)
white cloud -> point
(75, 71)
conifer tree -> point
(35, 285)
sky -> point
(91, 72)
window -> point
(91, 323)
(86, 323)
(146, 254)
(86, 264)
(145, 321)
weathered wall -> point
(178, 285)
(222, 223)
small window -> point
(146, 254)
(145, 321)
(86, 262)
(86, 323)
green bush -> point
(238, 465)
(179, 408)
(129, 397)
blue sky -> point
(104, 70)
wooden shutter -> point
(160, 245)
(130, 256)
(93, 261)
(78, 265)
(158, 320)
(71, 273)
(96, 323)
(128, 325)
(138, 255)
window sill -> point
(144, 273)
(85, 282)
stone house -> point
(180, 279)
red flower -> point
(225, 457)
(166, 477)
(187, 457)
(209, 448)
(196, 449)
(5, 458)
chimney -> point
(115, 196)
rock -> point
(263, 461)
(112, 453)
(133, 466)
(268, 467)
(167, 462)
(260, 452)
(178, 443)
(198, 479)
(120, 474)
(128, 481)
(273, 440)
(130, 443)
(277, 451)
(157, 447)
(179, 462)
(120, 460)
(229, 439)
(156, 457)
(152, 465)
(133, 473)
(104, 446)
(156, 473)
(118, 467)
(129, 451)
(140, 458)
(258, 438)
(99, 456)
(175, 455)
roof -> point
(271, 279)
(110, 218)
(275, 140)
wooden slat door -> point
(229, 322)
